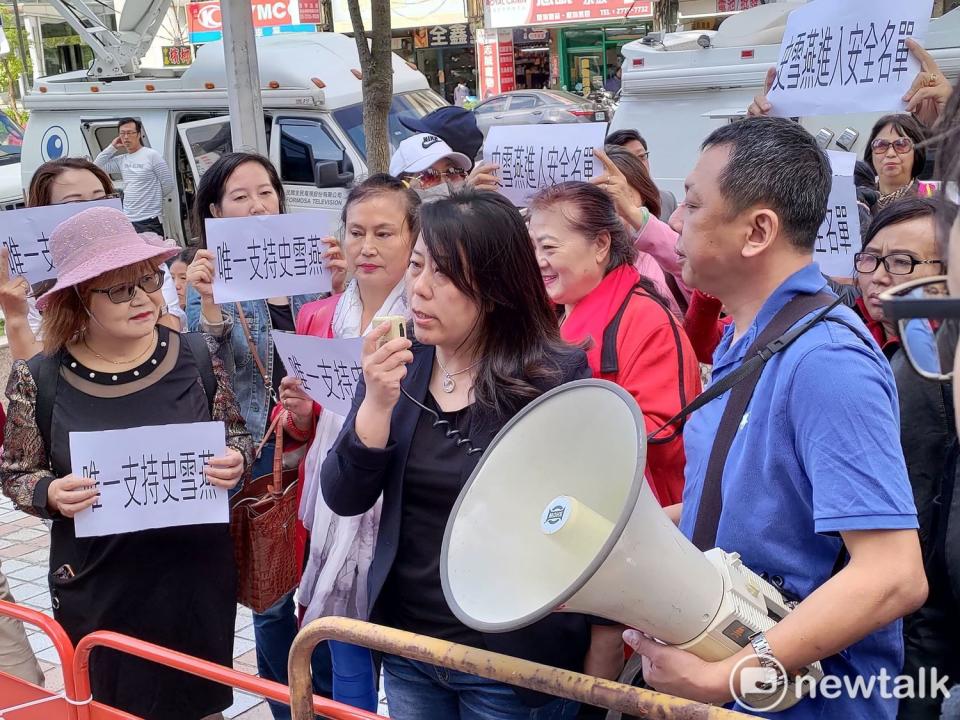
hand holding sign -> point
(484, 176)
(225, 471)
(335, 263)
(200, 274)
(13, 291)
(296, 402)
(618, 188)
(928, 95)
(760, 105)
(71, 494)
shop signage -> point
(440, 36)
(495, 66)
(514, 13)
(526, 36)
(204, 22)
(724, 6)
(176, 55)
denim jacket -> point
(236, 356)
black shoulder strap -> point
(201, 354)
(45, 370)
(774, 337)
(609, 361)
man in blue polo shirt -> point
(816, 457)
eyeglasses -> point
(124, 292)
(430, 177)
(894, 263)
(929, 324)
(129, 133)
(901, 145)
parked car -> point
(11, 140)
(530, 107)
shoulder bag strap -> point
(201, 355)
(46, 375)
(769, 342)
(267, 381)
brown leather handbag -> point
(263, 517)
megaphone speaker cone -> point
(557, 515)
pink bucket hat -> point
(96, 241)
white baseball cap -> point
(419, 152)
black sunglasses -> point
(124, 292)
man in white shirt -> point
(146, 177)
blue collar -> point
(807, 280)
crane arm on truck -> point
(117, 53)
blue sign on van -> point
(213, 35)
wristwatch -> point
(775, 675)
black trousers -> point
(149, 225)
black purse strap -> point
(778, 334)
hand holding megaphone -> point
(558, 517)
(673, 671)
(384, 366)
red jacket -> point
(651, 348)
(315, 318)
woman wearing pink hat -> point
(107, 364)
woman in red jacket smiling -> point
(587, 262)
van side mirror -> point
(327, 174)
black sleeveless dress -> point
(175, 587)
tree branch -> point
(359, 33)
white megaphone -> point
(557, 516)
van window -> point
(300, 141)
(413, 105)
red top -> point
(704, 325)
(315, 318)
(888, 343)
(649, 341)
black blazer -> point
(353, 476)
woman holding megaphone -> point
(487, 344)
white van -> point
(312, 107)
(675, 91)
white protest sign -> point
(532, 157)
(263, 256)
(26, 235)
(838, 238)
(328, 368)
(844, 56)
(149, 477)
